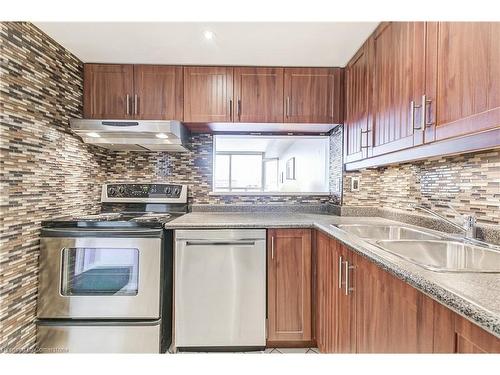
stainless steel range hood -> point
(133, 135)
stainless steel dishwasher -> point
(220, 289)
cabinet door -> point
(258, 94)
(473, 339)
(391, 316)
(327, 293)
(357, 105)
(313, 95)
(463, 78)
(398, 81)
(158, 92)
(289, 286)
(108, 90)
(208, 94)
(346, 341)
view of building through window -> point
(274, 164)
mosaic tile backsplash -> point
(468, 182)
(195, 169)
(45, 171)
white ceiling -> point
(183, 43)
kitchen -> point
(216, 191)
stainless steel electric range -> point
(105, 280)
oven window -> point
(99, 271)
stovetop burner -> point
(99, 217)
(131, 206)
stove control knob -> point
(176, 191)
(168, 190)
(111, 192)
(121, 189)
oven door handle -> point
(65, 232)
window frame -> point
(230, 187)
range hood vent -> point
(133, 135)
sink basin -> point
(445, 256)
(386, 232)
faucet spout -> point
(468, 227)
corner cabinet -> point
(358, 96)
(289, 278)
(146, 92)
(313, 95)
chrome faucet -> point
(468, 227)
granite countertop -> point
(474, 296)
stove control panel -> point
(144, 193)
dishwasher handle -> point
(221, 243)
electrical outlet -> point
(354, 183)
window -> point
(99, 271)
(271, 164)
(238, 172)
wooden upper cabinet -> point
(358, 98)
(158, 92)
(208, 94)
(258, 94)
(463, 78)
(108, 91)
(289, 266)
(398, 81)
(313, 95)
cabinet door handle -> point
(287, 106)
(348, 288)
(136, 111)
(340, 272)
(367, 131)
(230, 109)
(238, 107)
(272, 247)
(127, 98)
(426, 103)
(414, 106)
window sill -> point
(263, 193)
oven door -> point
(96, 276)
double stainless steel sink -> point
(431, 250)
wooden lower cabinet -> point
(362, 308)
(289, 265)
(391, 316)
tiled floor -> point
(269, 351)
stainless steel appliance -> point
(220, 289)
(106, 280)
(133, 135)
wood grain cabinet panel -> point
(158, 92)
(358, 96)
(392, 316)
(208, 94)
(313, 95)
(398, 80)
(289, 286)
(472, 339)
(258, 94)
(327, 294)
(463, 78)
(108, 91)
